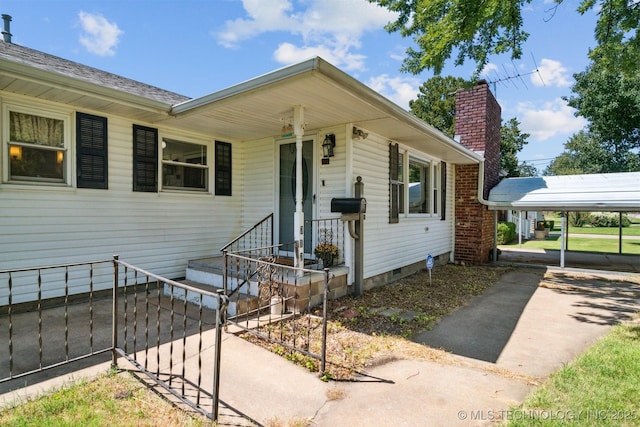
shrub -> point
(608, 219)
(506, 232)
(578, 219)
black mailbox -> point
(349, 205)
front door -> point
(287, 194)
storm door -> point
(287, 194)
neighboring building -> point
(93, 164)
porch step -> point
(239, 304)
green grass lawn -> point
(581, 244)
(634, 230)
(599, 388)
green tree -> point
(583, 154)
(525, 169)
(512, 140)
(436, 102)
(610, 101)
(474, 30)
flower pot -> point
(539, 234)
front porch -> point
(251, 284)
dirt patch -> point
(376, 327)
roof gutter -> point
(80, 87)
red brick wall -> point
(478, 126)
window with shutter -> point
(145, 159)
(91, 151)
(223, 169)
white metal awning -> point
(613, 192)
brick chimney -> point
(477, 126)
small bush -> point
(506, 232)
(608, 219)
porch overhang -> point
(254, 109)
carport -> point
(613, 192)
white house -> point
(93, 164)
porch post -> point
(298, 216)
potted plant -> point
(326, 252)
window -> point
(419, 186)
(36, 147)
(223, 169)
(184, 165)
(91, 151)
(145, 159)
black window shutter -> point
(443, 190)
(394, 156)
(145, 159)
(91, 150)
(223, 169)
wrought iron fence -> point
(159, 325)
(30, 329)
(272, 300)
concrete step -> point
(238, 303)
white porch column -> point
(562, 231)
(520, 229)
(298, 216)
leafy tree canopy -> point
(512, 140)
(436, 102)
(475, 30)
(610, 101)
(584, 153)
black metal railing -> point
(31, 329)
(272, 301)
(260, 235)
(159, 325)
(329, 241)
(165, 325)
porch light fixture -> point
(15, 152)
(328, 145)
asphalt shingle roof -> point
(46, 62)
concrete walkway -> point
(499, 347)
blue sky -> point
(195, 47)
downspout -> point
(486, 202)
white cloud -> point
(400, 90)
(551, 73)
(288, 53)
(99, 35)
(488, 69)
(329, 28)
(549, 120)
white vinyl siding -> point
(391, 246)
(160, 232)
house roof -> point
(254, 108)
(250, 110)
(611, 192)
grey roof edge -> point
(38, 66)
(335, 76)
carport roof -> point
(611, 192)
